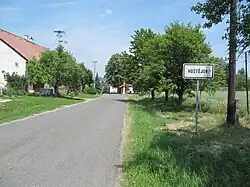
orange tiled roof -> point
(25, 48)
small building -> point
(15, 53)
(128, 89)
(113, 90)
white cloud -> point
(107, 12)
(58, 4)
(4, 9)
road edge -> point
(48, 111)
(125, 136)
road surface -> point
(77, 146)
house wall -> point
(10, 61)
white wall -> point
(8, 60)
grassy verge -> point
(24, 106)
(83, 96)
(90, 96)
(163, 151)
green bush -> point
(92, 90)
(86, 89)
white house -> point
(113, 90)
(126, 89)
(15, 53)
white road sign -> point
(198, 71)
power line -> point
(60, 34)
(93, 12)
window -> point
(16, 64)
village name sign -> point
(197, 72)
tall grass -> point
(217, 103)
(164, 152)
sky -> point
(96, 29)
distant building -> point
(113, 90)
(15, 53)
(128, 89)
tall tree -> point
(55, 68)
(115, 70)
(185, 43)
(98, 84)
(215, 11)
(141, 58)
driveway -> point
(76, 146)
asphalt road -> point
(77, 146)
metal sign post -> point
(197, 106)
(196, 72)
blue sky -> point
(96, 29)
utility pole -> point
(231, 103)
(246, 53)
(60, 34)
(95, 62)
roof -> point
(126, 85)
(23, 47)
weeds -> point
(164, 151)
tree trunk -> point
(56, 91)
(153, 95)
(166, 96)
(231, 107)
(180, 95)
(172, 99)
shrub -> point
(15, 83)
(92, 90)
(86, 89)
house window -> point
(16, 64)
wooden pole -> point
(231, 109)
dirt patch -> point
(176, 126)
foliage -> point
(241, 80)
(59, 68)
(98, 84)
(156, 61)
(15, 82)
(115, 69)
(237, 14)
(185, 43)
(216, 11)
(92, 90)
(220, 75)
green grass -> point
(83, 96)
(162, 150)
(27, 105)
(90, 96)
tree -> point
(240, 80)
(220, 75)
(89, 77)
(215, 11)
(86, 76)
(185, 43)
(115, 70)
(56, 68)
(141, 58)
(15, 82)
(98, 84)
(153, 70)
